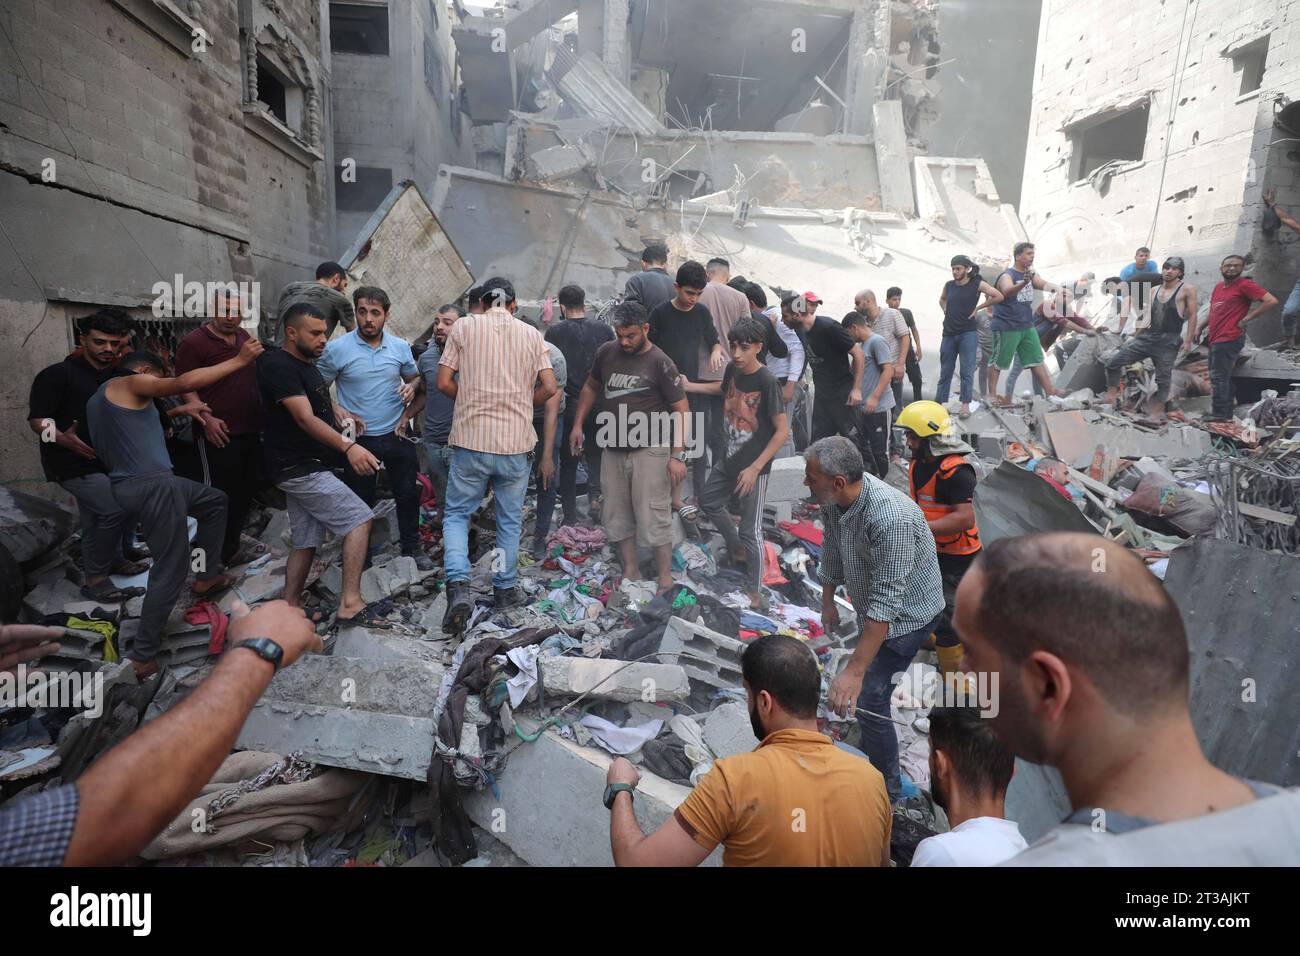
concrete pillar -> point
(591, 27)
(892, 164)
(615, 51)
(864, 67)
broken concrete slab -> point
(714, 658)
(1075, 436)
(358, 714)
(550, 811)
(264, 583)
(61, 596)
(393, 577)
(727, 730)
(614, 680)
(376, 645)
(30, 526)
(785, 480)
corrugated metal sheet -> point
(404, 250)
(591, 90)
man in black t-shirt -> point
(837, 363)
(680, 326)
(57, 414)
(753, 410)
(893, 297)
(303, 445)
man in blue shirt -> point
(376, 377)
(1142, 262)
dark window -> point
(1121, 137)
(271, 91)
(1250, 63)
(432, 68)
(373, 184)
(359, 28)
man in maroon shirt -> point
(230, 448)
(1234, 302)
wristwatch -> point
(613, 789)
(679, 456)
(266, 649)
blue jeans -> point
(1291, 312)
(1223, 360)
(965, 346)
(879, 738)
(471, 474)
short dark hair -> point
(142, 359)
(691, 275)
(110, 320)
(372, 293)
(474, 296)
(1020, 247)
(853, 318)
(656, 253)
(790, 298)
(1142, 249)
(1233, 256)
(572, 297)
(738, 283)
(299, 311)
(498, 292)
(754, 292)
(328, 270)
(450, 307)
(786, 669)
(627, 314)
(980, 760)
(1118, 626)
(718, 261)
(747, 330)
(892, 291)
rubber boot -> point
(459, 608)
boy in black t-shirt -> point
(756, 428)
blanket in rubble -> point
(259, 795)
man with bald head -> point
(1092, 664)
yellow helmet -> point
(924, 419)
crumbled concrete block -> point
(376, 645)
(265, 583)
(550, 811)
(614, 680)
(60, 596)
(990, 444)
(727, 730)
(785, 481)
(1149, 466)
(393, 577)
(720, 663)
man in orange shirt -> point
(796, 800)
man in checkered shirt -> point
(878, 545)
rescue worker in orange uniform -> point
(942, 482)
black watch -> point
(612, 790)
(266, 649)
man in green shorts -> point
(1014, 335)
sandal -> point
(108, 592)
(321, 612)
(219, 583)
(366, 617)
(130, 569)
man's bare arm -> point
(670, 845)
(150, 386)
(447, 381)
(545, 387)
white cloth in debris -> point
(620, 740)
(983, 841)
(690, 733)
(524, 658)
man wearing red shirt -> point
(1230, 309)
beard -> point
(756, 723)
(1014, 725)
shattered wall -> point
(133, 149)
(1190, 185)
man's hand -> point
(20, 643)
(676, 471)
(250, 351)
(546, 470)
(287, 626)
(746, 480)
(871, 404)
(215, 431)
(407, 392)
(362, 462)
(1269, 196)
(68, 439)
(622, 771)
(194, 409)
(717, 359)
(842, 696)
(403, 426)
(576, 441)
(899, 372)
(855, 397)
(787, 392)
(342, 415)
(830, 615)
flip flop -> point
(219, 583)
(130, 568)
(366, 617)
(321, 612)
(108, 592)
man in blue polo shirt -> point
(376, 376)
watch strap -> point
(613, 791)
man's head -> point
(1023, 253)
(782, 683)
(1231, 267)
(443, 322)
(1174, 268)
(573, 301)
(1083, 637)
(498, 293)
(756, 296)
(796, 312)
(655, 256)
(865, 303)
(691, 280)
(103, 335)
(832, 465)
(719, 270)
(966, 756)
(1141, 256)
(921, 421)
(333, 275)
(227, 309)
(143, 363)
(1053, 468)
(304, 332)
(857, 326)
(632, 327)
(962, 266)
(893, 297)
(746, 338)
(371, 305)
(474, 301)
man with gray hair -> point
(878, 545)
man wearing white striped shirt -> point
(497, 370)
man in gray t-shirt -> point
(877, 390)
(438, 408)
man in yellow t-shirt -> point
(796, 800)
